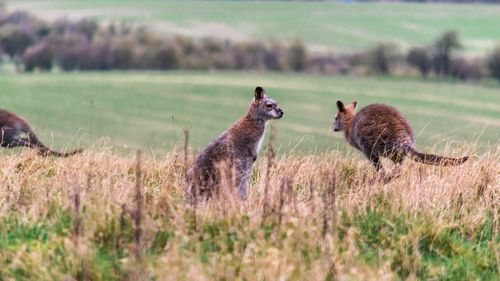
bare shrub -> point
(164, 56)
(419, 57)
(383, 57)
(251, 56)
(273, 57)
(493, 62)
(87, 27)
(15, 39)
(465, 69)
(297, 56)
(39, 56)
(122, 53)
(443, 50)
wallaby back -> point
(380, 129)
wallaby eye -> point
(269, 105)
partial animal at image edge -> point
(12, 127)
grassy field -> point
(314, 212)
(148, 111)
(78, 219)
(337, 26)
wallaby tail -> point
(45, 151)
(432, 159)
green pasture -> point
(149, 110)
(322, 25)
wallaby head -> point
(345, 115)
(264, 107)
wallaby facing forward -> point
(379, 130)
(237, 147)
(12, 127)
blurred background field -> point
(149, 110)
(114, 77)
(337, 26)
(307, 55)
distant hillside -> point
(336, 26)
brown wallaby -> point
(12, 129)
(237, 147)
(379, 130)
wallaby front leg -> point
(243, 173)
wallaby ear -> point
(259, 93)
(354, 103)
(340, 106)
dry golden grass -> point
(320, 220)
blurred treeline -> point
(33, 44)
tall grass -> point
(323, 220)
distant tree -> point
(273, 58)
(419, 58)
(15, 39)
(87, 27)
(82, 57)
(383, 57)
(122, 55)
(165, 57)
(493, 62)
(251, 56)
(65, 45)
(297, 56)
(465, 69)
(213, 46)
(39, 56)
(26, 21)
(18, 18)
(443, 49)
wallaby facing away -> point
(237, 148)
(379, 130)
(12, 127)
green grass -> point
(149, 110)
(337, 26)
(447, 254)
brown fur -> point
(12, 127)
(236, 148)
(379, 130)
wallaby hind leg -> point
(9, 137)
(22, 142)
(395, 173)
(398, 159)
(375, 160)
(380, 176)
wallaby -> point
(12, 129)
(237, 147)
(379, 130)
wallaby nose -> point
(281, 113)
